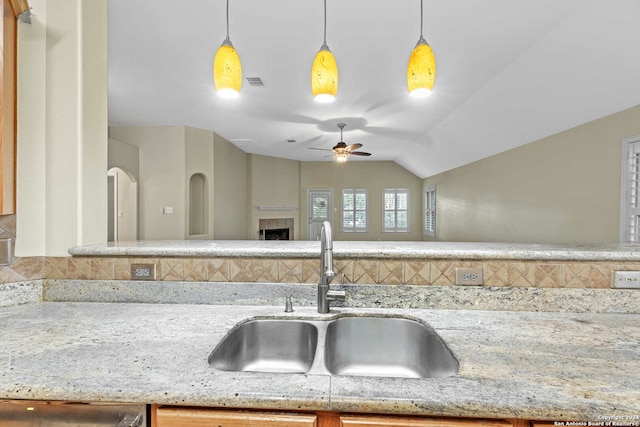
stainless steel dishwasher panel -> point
(21, 413)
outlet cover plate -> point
(143, 272)
(626, 279)
(469, 276)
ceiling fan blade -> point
(360, 153)
(354, 147)
(321, 149)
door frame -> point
(310, 208)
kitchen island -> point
(546, 338)
(524, 365)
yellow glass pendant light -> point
(421, 72)
(227, 70)
(324, 71)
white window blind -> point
(430, 210)
(354, 210)
(396, 210)
(630, 195)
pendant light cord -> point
(228, 19)
(325, 21)
(421, 17)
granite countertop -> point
(362, 249)
(543, 366)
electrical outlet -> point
(626, 279)
(469, 276)
(143, 272)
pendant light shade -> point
(324, 71)
(421, 71)
(227, 70)
(324, 76)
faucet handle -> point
(335, 295)
(288, 305)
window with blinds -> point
(630, 197)
(354, 210)
(430, 210)
(396, 210)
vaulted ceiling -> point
(508, 73)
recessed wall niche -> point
(198, 205)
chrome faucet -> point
(325, 295)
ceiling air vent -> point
(255, 81)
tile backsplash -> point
(23, 268)
(506, 273)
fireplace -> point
(276, 234)
(275, 229)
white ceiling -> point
(508, 73)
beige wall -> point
(273, 182)
(372, 175)
(161, 180)
(126, 158)
(124, 205)
(62, 127)
(199, 159)
(169, 155)
(563, 188)
(241, 182)
(123, 156)
(229, 191)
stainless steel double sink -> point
(347, 345)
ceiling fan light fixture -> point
(341, 157)
(324, 71)
(421, 71)
(227, 69)
(341, 151)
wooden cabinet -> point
(195, 417)
(399, 421)
(199, 417)
(8, 74)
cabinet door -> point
(383, 421)
(8, 36)
(185, 417)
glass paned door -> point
(319, 210)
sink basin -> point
(267, 346)
(360, 346)
(386, 347)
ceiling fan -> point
(342, 151)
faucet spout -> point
(326, 254)
(326, 269)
